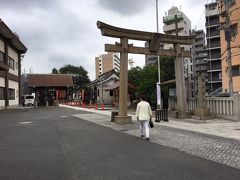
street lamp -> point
(158, 61)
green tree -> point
(167, 73)
(147, 85)
(79, 74)
(134, 75)
(54, 71)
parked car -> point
(28, 100)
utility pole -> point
(158, 61)
(226, 26)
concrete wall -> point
(14, 85)
(105, 62)
(235, 51)
(105, 95)
(13, 55)
(1, 46)
(97, 66)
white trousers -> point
(144, 128)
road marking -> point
(26, 122)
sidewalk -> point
(216, 127)
(216, 140)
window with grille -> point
(1, 93)
(236, 70)
(11, 63)
(11, 93)
(1, 56)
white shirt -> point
(143, 111)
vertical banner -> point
(158, 94)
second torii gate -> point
(154, 40)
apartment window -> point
(1, 93)
(231, 3)
(1, 56)
(236, 70)
(11, 93)
(234, 29)
(11, 63)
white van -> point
(28, 100)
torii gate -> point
(154, 40)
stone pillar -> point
(236, 105)
(122, 117)
(202, 111)
(180, 83)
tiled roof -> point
(49, 80)
(13, 37)
(116, 84)
(104, 76)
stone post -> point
(122, 117)
(180, 84)
(236, 105)
(202, 111)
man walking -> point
(144, 114)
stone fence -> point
(220, 107)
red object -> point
(102, 106)
(96, 106)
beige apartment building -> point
(107, 62)
(234, 9)
(11, 51)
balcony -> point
(172, 27)
(171, 18)
(211, 12)
(213, 34)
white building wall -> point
(1, 46)
(2, 82)
(14, 85)
(13, 55)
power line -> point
(201, 16)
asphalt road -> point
(48, 143)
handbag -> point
(151, 123)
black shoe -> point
(142, 135)
(147, 139)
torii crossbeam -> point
(154, 40)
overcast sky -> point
(59, 32)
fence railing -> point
(221, 107)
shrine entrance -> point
(154, 40)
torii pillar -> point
(180, 82)
(122, 117)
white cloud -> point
(62, 32)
